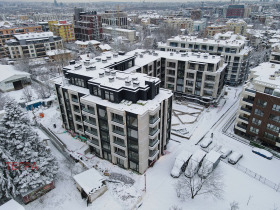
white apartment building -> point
(231, 46)
(115, 32)
(125, 116)
(181, 23)
(33, 45)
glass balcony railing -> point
(92, 132)
(246, 110)
(121, 153)
(75, 100)
(153, 119)
(152, 153)
(94, 141)
(88, 110)
(117, 120)
(120, 143)
(153, 131)
(77, 110)
(153, 142)
(249, 90)
(242, 126)
(118, 132)
(92, 122)
(248, 100)
(244, 118)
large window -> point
(109, 96)
(254, 130)
(256, 121)
(268, 90)
(270, 136)
(102, 113)
(133, 155)
(275, 118)
(133, 144)
(261, 103)
(276, 107)
(132, 121)
(259, 112)
(133, 166)
(273, 127)
(132, 133)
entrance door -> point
(17, 85)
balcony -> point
(75, 100)
(118, 132)
(154, 120)
(89, 111)
(91, 122)
(94, 141)
(119, 143)
(90, 132)
(77, 110)
(241, 128)
(248, 111)
(152, 132)
(120, 121)
(250, 102)
(244, 119)
(153, 144)
(250, 91)
(120, 154)
(153, 154)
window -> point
(102, 113)
(256, 121)
(254, 130)
(268, 90)
(211, 48)
(270, 136)
(274, 118)
(259, 112)
(133, 155)
(261, 103)
(133, 166)
(132, 133)
(132, 121)
(273, 128)
(171, 64)
(276, 107)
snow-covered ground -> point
(160, 192)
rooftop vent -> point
(272, 65)
(115, 55)
(86, 63)
(111, 79)
(136, 84)
(134, 78)
(155, 54)
(72, 62)
(205, 56)
(107, 72)
(213, 56)
(109, 57)
(198, 56)
(136, 53)
(121, 52)
(183, 55)
(277, 73)
(141, 55)
(104, 60)
(171, 53)
(101, 75)
(149, 52)
(127, 82)
(272, 77)
(98, 59)
(78, 66)
(177, 52)
(113, 73)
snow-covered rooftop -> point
(262, 75)
(120, 29)
(11, 205)
(57, 52)
(33, 35)
(105, 47)
(89, 180)
(7, 71)
(94, 42)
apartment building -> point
(238, 26)
(87, 25)
(125, 117)
(110, 33)
(212, 30)
(197, 77)
(258, 115)
(181, 23)
(33, 45)
(231, 46)
(7, 32)
(115, 18)
(275, 53)
(238, 11)
(63, 29)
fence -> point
(255, 176)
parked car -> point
(194, 163)
(210, 162)
(225, 152)
(262, 152)
(234, 157)
(180, 164)
(206, 142)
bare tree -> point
(41, 90)
(195, 185)
(174, 207)
(27, 94)
(234, 205)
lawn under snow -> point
(239, 187)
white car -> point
(180, 164)
(194, 163)
(225, 152)
(206, 142)
(234, 157)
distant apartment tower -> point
(231, 46)
(7, 33)
(63, 29)
(33, 45)
(124, 117)
(258, 115)
(115, 18)
(238, 11)
(87, 25)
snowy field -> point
(160, 193)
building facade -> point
(115, 18)
(63, 29)
(87, 25)
(237, 26)
(215, 29)
(125, 116)
(33, 45)
(181, 23)
(115, 32)
(8, 33)
(232, 47)
(238, 11)
(258, 115)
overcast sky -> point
(82, 1)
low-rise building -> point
(110, 33)
(114, 18)
(212, 30)
(258, 115)
(59, 55)
(275, 53)
(33, 45)
(181, 23)
(238, 26)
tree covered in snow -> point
(20, 144)
(155, 44)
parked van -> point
(209, 163)
(180, 164)
(234, 157)
(194, 163)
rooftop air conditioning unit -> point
(272, 77)
(128, 82)
(101, 75)
(111, 79)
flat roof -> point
(33, 35)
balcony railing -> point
(92, 122)
(244, 118)
(75, 100)
(117, 120)
(77, 110)
(246, 110)
(153, 131)
(153, 154)
(248, 100)
(153, 119)
(242, 126)
(88, 110)
(92, 132)
(94, 141)
(120, 143)
(153, 142)
(249, 90)
(118, 132)
(121, 153)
